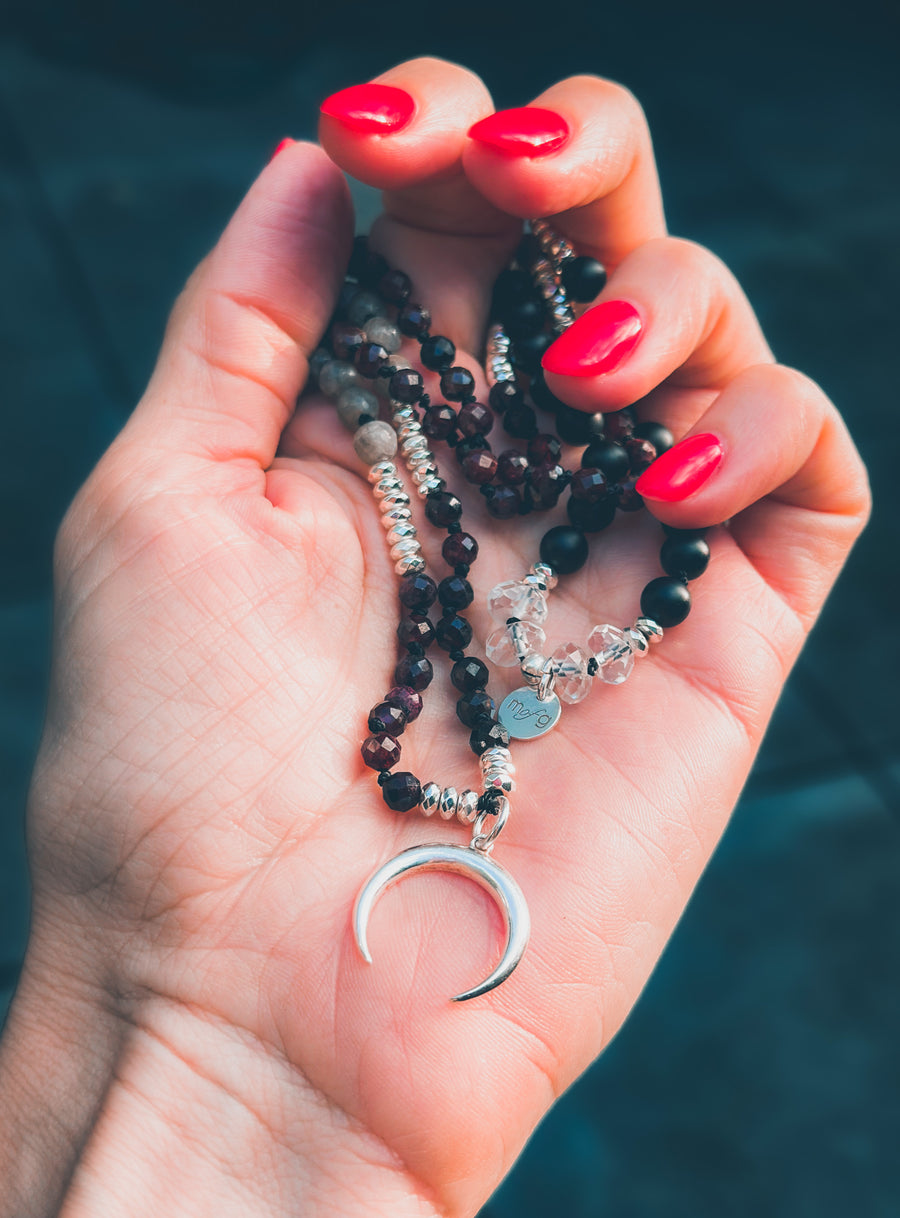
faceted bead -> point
(503, 395)
(402, 791)
(511, 285)
(687, 556)
(471, 444)
(520, 422)
(572, 680)
(375, 441)
(431, 794)
(459, 548)
(387, 718)
(457, 383)
(437, 353)
(613, 653)
(336, 376)
(353, 403)
(487, 735)
(591, 517)
(544, 449)
(442, 509)
(455, 592)
(628, 497)
(413, 320)
(641, 453)
(346, 340)
(406, 385)
(361, 306)
(501, 648)
(439, 422)
(607, 456)
(637, 641)
(512, 466)
(474, 419)
(380, 751)
(417, 628)
(589, 485)
(407, 698)
(469, 673)
(417, 591)
(415, 671)
(545, 485)
(370, 359)
(474, 705)
(583, 278)
(504, 503)
(619, 425)
(666, 600)
(395, 287)
(317, 361)
(479, 467)
(564, 548)
(516, 599)
(453, 633)
(658, 435)
(365, 264)
(383, 332)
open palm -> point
(226, 617)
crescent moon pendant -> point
(475, 865)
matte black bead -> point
(413, 320)
(528, 250)
(488, 735)
(528, 352)
(666, 600)
(524, 317)
(442, 508)
(369, 359)
(504, 503)
(437, 352)
(658, 435)
(402, 791)
(457, 383)
(395, 287)
(454, 592)
(541, 395)
(671, 531)
(365, 265)
(414, 671)
(687, 556)
(504, 394)
(520, 421)
(576, 427)
(591, 517)
(417, 591)
(511, 285)
(417, 628)
(608, 456)
(453, 633)
(564, 548)
(474, 705)
(469, 673)
(583, 278)
(385, 717)
(439, 421)
(407, 386)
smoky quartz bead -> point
(443, 508)
(457, 383)
(406, 386)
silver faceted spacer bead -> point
(406, 548)
(431, 797)
(429, 486)
(546, 574)
(394, 500)
(448, 803)
(499, 780)
(395, 515)
(652, 631)
(497, 756)
(423, 472)
(410, 566)
(637, 641)
(406, 429)
(404, 531)
(532, 668)
(382, 469)
(467, 807)
(390, 484)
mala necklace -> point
(531, 306)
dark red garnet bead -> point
(439, 422)
(504, 503)
(401, 791)
(414, 320)
(415, 671)
(385, 717)
(459, 547)
(641, 453)
(454, 592)
(346, 340)
(437, 353)
(544, 449)
(417, 591)
(479, 467)
(487, 735)
(453, 633)
(442, 508)
(469, 673)
(406, 385)
(380, 751)
(474, 705)
(591, 485)
(504, 394)
(370, 359)
(395, 287)
(628, 498)
(457, 383)
(475, 419)
(619, 425)
(408, 699)
(416, 629)
(512, 466)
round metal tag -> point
(525, 716)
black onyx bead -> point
(511, 286)
(453, 633)
(487, 735)
(608, 456)
(414, 671)
(380, 751)
(671, 531)
(474, 705)
(437, 353)
(406, 385)
(413, 320)
(346, 340)
(505, 394)
(417, 591)
(641, 453)
(395, 287)
(658, 435)
(520, 421)
(628, 497)
(687, 556)
(666, 600)
(564, 548)
(442, 508)
(401, 791)
(365, 264)
(576, 427)
(529, 351)
(454, 592)
(591, 517)
(385, 717)
(457, 383)
(369, 359)
(479, 467)
(541, 395)
(459, 548)
(583, 278)
(589, 485)
(408, 699)
(544, 449)
(524, 317)
(528, 250)
(504, 503)
(474, 419)
(439, 422)
(512, 467)
(416, 629)
(619, 425)
(469, 673)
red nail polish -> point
(682, 470)
(370, 109)
(285, 143)
(599, 341)
(526, 131)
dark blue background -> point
(760, 1073)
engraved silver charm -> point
(526, 716)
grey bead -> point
(375, 441)
(336, 376)
(380, 330)
(363, 306)
(431, 796)
(354, 402)
(317, 360)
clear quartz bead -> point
(517, 599)
(501, 649)
(610, 648)
(572, 679)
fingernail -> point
(370, 109)
(526, 131)
(285, 143)
(599, 341)
(682, 470)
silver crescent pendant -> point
(467, 861)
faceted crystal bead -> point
(612, 651)
(516, 599)
(501, 649)
(380, 751)
(572, 679)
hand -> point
(193, 1014)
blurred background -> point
(760, 1072)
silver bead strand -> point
(497, 364)
(393, 504)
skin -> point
(194, 1031)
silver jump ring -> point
(548, 680)
(485, 841)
